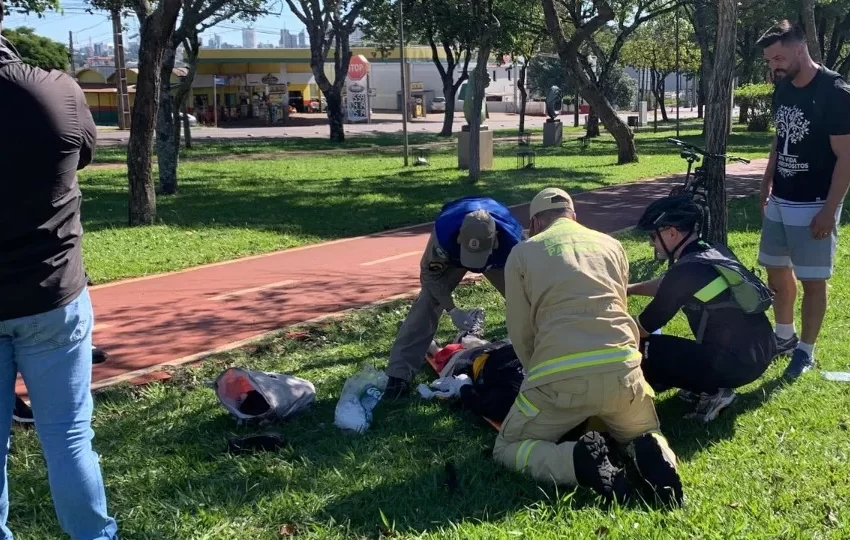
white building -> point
(249, 38)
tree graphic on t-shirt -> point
(792, 125)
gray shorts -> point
(786, 241)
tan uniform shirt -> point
(436, 273)
(566, 304)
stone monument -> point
(553, 129)
(485, 147)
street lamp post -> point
(677, 73)
(403, 77)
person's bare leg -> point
(814, 309)
(784, 284)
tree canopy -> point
(38, 50)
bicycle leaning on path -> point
(696, 179)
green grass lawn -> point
(772, 466)
(232, 208)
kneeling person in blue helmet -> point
(568, 321)
(472, 234)
(725, 305)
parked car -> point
(438, 104)
(192, 120)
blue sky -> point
(99, 28)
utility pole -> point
(677, 73)
(403, 78)
(576, 120)
(71, 63)
(120, 72)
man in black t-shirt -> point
(732, 347)
(803, 188)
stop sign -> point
(358, 67)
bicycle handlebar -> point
(705, 153)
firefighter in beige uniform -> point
(566, 316)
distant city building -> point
(302, 39)
(288, 40)
(249, 38)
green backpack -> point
(749, 292)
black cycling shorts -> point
(674, 362)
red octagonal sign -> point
(358, 67)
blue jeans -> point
(52, 351)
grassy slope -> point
(229, 209)
(773, 466)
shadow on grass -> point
(691, 437)
(211, 198)
(211, 147)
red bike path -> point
(170, 319)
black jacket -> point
(46, 134)
(495, 384)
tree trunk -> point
(478, 89)
(336, 116)
(811, 30)
(331, 90)
(592, 129)
(167, 130)
(717, 116)
(626, 151)
(155, 31)
(701, 101)
(523, 95)
(191, 46)
(744, 114)
(142, 126)
(450, 93)
(662, 97)
(568, 52)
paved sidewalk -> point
(180, 317)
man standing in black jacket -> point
(47, 133)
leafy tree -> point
(758, 99)
(621, 90)
(38, 50)
(523, 33)
(196, 16)
(156, 26)
(330, 24)
(653, 47)
(546, 71)
(832, 24)
(444, 25)
(26, 7)
(594, 32)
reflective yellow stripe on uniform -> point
(581, 360)
(523, 453)
(711, 290)
(525, 406)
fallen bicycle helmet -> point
(679, 211)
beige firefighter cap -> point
(477, 238)
(549, 199)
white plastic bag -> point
(360, 394)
